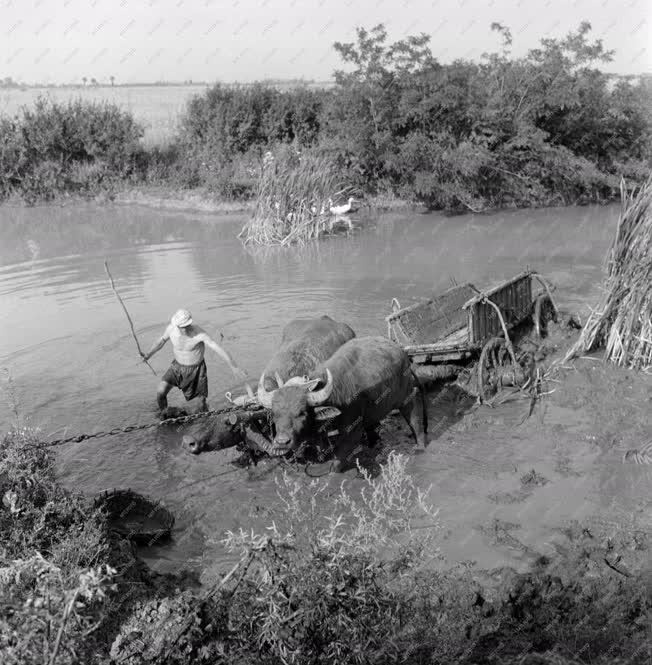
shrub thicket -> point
(546, 128)
(225, 132)
(79, 147)
(66, 582)
(53, 560)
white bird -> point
(340, 210)
(34, 249)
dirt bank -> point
(507, 485)
(156, 196)
(179, 199)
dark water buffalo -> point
(227, 430)
(304, 344)
(365, 379)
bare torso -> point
(188, 350)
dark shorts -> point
(192, 380)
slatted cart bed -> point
(456, 324)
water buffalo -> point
(365, 379)
(227, 430)
(304, 344)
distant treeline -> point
(8, 82)
(546, 128)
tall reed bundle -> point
(623, 319)
(292, 199)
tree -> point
(84, 79)
(112, 79)
(364, 111)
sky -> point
(57, 41)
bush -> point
(328, 582)
(233, 120)
(53, 571)
(66, 582)
(56, 148)
(226, 130)
(547, 128)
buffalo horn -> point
(302, 381)
(263, 444)
(318, 397)
(264, 396)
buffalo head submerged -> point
(230, 430)
(213, 433)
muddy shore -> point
(507, 485)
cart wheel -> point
(494, 358)
(544, 311)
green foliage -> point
(66, 582)
(74, 147)
(547, 128)
(53, 553)
(226, 130)
(330, 581)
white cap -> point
(181, 318)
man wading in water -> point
(188, 369)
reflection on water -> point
(70, 352)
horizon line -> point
(191, 82)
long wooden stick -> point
(131, 325)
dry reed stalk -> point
(623, 319)
(292, 199)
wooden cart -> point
(464, 323)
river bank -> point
(161, 196)
(167, 197)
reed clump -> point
(622, 321)
(294, 192)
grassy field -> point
(157, 108)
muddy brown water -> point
(74, 367)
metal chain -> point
(133, 428)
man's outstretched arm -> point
(157, 346)
(237, 372)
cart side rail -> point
(514, 299)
